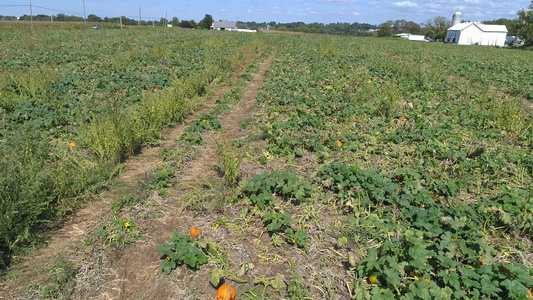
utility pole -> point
(51, 19)
(84, 15)
(139, 23)
(31, 16)
(120, 13)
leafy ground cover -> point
(368, 169)
(73, 104)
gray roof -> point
(218, 24)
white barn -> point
(220, 25)
(477, 33)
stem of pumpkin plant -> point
(234, 277)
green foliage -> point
(163, 179)
(110, 103)
(228, 158)
(180, 250)
(442, 268)
(297, 237)
(64, 280)
(119, 232)
(206, 22)
(296, 288)
(276, 222)
(246, 76)
(285, 184)
(129, 201)
(525, 26)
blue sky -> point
(323, 11)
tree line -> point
(435, 28)
(205, 23)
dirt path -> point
(136, 274)
(136, 271)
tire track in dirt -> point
(136, 274)
(74, 228)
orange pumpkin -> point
(195, 231)
(226, 292)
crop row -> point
(75, 103)
(430, 171)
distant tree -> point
(185, 24)
(175, 22)
(206, 22)
(163, 22)
(525, 26)
(437, 28)
(385, 29)
(400, 26)
(193, 24)
(94, 18)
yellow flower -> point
(340, 132)
(127, 225)
(372, 279)
(169, 257)
(339, 144)
(416, 277)
(427, 281)
(51, 153)
(293, 241)
(72, 144)
(438, 165)
(204, 121)
(6, 156)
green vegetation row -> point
(423, 149)
(73, 104)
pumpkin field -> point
(164, 163)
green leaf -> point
(214, 277)
(489, 287)
(166, 266)
(392, 276)
(452, 279)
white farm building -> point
(474, 33)
(221, 25)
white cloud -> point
(405, 4)
(249, 11)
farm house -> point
(477, 34)
(221, 25)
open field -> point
(315, 167)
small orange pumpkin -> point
(195, 231)
(226, 292)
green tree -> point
(525, 26)
(94, 18)
(437, 28)
(175, 22)
(206, 22)
(385, 29)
